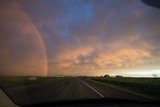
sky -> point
(79, 37)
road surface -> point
(65, 89)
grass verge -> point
(145, 87)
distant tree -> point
(118, 76)
(106, 76)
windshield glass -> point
(66, 50)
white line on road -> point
(92, 89)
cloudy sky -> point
(79, 37)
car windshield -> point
(68, 50)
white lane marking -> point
(92, 89)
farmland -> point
(16, 81)
(147, 87)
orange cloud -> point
(103, 57)
(121, 58)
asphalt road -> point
(65, 89)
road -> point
(65, 89)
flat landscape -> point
(147, 87)
(32, 90)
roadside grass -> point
(145, 87)
(15, 81)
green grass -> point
(16, 81)
(147, 87)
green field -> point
(146, 87)
(15, 81)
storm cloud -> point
(80, 37)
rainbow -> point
(41, 43)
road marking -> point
(92, 88)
